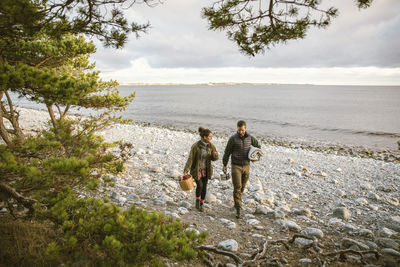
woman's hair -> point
(204, 132)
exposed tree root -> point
(258, 259)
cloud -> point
(179, 38)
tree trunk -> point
(52, 116)
(3, 131)
(14, 119)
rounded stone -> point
(342, 213)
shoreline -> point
(338, 149)
(386, 155)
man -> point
(238, 148)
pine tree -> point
(257, 25)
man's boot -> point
(201, 207)
(197, 203)
(238, 213)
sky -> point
(360, 47)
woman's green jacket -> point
(193, 161)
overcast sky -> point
(359, 47)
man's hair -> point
(241, 123)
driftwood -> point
(257, 258)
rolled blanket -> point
(255, 153)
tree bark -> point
(9, 191)
(3, 131)
(14, 116)
(52, 116)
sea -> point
(367, 116)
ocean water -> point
(351, 115)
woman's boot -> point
(201, 207)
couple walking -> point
(203, 152)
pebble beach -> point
(345, 201)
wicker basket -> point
(186, 184)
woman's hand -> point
(216, 153)
(224, 169)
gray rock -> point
(267, 198)
(184, 204)
(383, 188)
(172, 214)
(249, 216)
(160, 202)
(371, 245)
(275, 214)
(283, 261)
(347, 242)
(303, 242)
(261, 209)
(171, 184)
(309, 231)
(157, 170)
(230, 265)
(385, 232)
(229, 245)
(253, 222)
(290, 225)
(231, 225)
(340, 193)
(392, 201)
(305, 262)
(349, 228)
(391, 252)
(336, 221)
(342, 213)
(387, 243)
(182, 210)
(132, 196)
(361, 201)
(210, 198)
(302, 212)
(257, 236)
(4, 210)
(115, 195)
(366, 233)
(366, 186)
(371, 195)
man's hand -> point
(224, 169)
(216, 153)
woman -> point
(199, 164)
